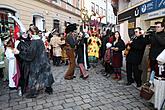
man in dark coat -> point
(134, 57)
(157, 41)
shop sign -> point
(160, 4)
(156, 14)
(147, 7)
(132, 13)
(151, 6)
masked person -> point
(40, 75)
(70, 50)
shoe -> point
(31, 95)
(19, 92)
(108, 75)
(138, 85)
(118, 77)
(49, 90)
(105, 74)
(129, 83)
(81, 76)
(115, 77)
(85, 77)
(12, 88)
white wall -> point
(111, 18)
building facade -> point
(139, 13)
(103, 11)
(45, 14)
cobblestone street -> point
(95, 93)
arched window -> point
(6, 23)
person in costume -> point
(94, 44)
(40, 70)
(23, 44)
(70, 50)
(81, 56)
(12, 64)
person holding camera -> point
(134, 57)
(157, 41)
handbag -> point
(146, 92)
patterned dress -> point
(94, 44)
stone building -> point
(45, 14)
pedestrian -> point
(56, 43)
(81, 59)
(108, 60)
(134, 57)
(118, 46)
(40, 75)
(70, 50)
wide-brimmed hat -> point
(70, 28)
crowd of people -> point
(29, 67)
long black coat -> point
(117, 58)
(80, 51)
(40, 69)
(136, 52)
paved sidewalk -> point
(95, 93)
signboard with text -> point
(151, 6)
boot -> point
(118, 77)
(49, 90)
(115, 77)
(66, 63)
(33, 94)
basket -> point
(146, 92)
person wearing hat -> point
(70, 50)
(107, 60)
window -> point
(6, 23)
(97, 8)
(39, 22)
(70, 2)
(101, 11)
(92, 6)
(104, 12)
(58, 2)
(56, 24)
(78, 4)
